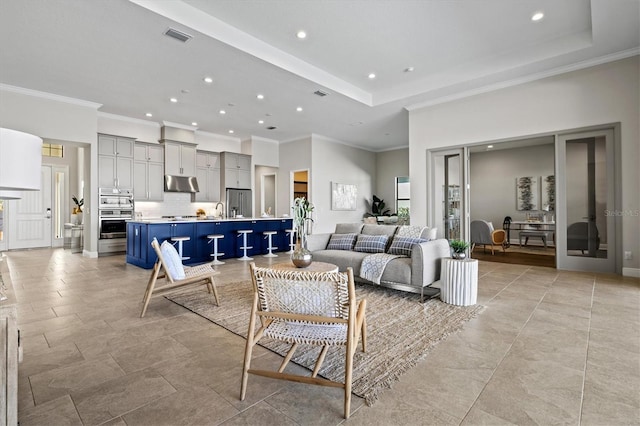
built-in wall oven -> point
(114, 210)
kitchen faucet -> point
(219, 204)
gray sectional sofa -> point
(414, 273)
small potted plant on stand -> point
(458, 249)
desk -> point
(314, 267)
(459, 281)
(530, 226)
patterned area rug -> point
(400, 331)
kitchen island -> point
(198, 248)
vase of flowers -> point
(458, 249)
(302, 209)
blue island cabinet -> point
(204, 247)
(140, 235)
(198, 248)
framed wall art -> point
(526, 193)
(343, 196)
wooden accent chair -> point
(482, 232)
(311, 308)
(169, 266)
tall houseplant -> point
(302, 209)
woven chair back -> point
(300, 292)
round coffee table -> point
(314, 267)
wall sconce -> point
(20, 161)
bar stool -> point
(215, 254)
(180, 240)
(269, 234)
(244, 247)
(292, 244)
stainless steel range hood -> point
(174, 183)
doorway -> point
(268, 195)
(448, 187)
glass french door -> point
(585, 227)
(448, 209)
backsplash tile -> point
(174, 204)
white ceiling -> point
(114, 53)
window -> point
(52, 150)
(403, 198)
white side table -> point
(459, 281)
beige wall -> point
(335, 162)
(603, 94)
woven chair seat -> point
(308, 334)
(193, 271)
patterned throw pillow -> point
(371, 243)
(172, 261)
(410, 231)
(403, 245)
(341, 241)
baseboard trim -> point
(631, 272)
(90, 254)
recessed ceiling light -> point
(301, 35)
(149, 114)
(489, 146)
(372, 76)
(208, 80)
(193, 123)
(408, 69)
(174, 100)
(230, 131)
(222, 112)
(299, 109)
(260, 121)
(260, 96)
(537, 16)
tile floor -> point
(550, 348)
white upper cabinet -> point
(115, 162)
(179, 158)
(148, 179)
(235, 170)
(208, 175)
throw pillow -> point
(403, 245)
(172, 261)
(371, 243)
(341, 241)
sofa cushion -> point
(403, 245)
(388, 230)
(371, 243)
(341, 241)
(348, 228)
(342, 258)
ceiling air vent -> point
(178, 35)
(320, 93)
(271, 128)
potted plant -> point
(302, 209)
(76, 214)
(78, 203)
(458, 248)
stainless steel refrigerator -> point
(239, 202)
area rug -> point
(400, 332)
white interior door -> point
(30, 217)
(585, 232)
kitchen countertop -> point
(188, 220)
